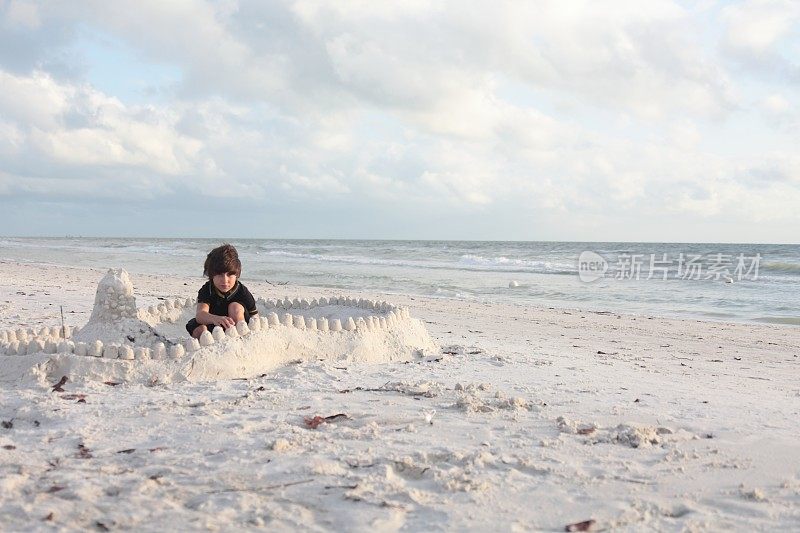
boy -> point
(223, 300)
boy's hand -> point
(224, 321)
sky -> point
(570, 120)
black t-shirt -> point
(218, 304)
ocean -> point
(729, 282)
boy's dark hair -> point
(221, 260)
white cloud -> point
(54, 127)
(35, 101)
(21, 13)
(763, 36)
(756, 26)
(325, 183)
(578, 109)
(775, 104)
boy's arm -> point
(249, 303)
(204, 317)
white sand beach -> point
(525, 419)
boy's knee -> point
(199, 331)
(235, 309)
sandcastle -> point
(123, 342)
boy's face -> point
(224, 282)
